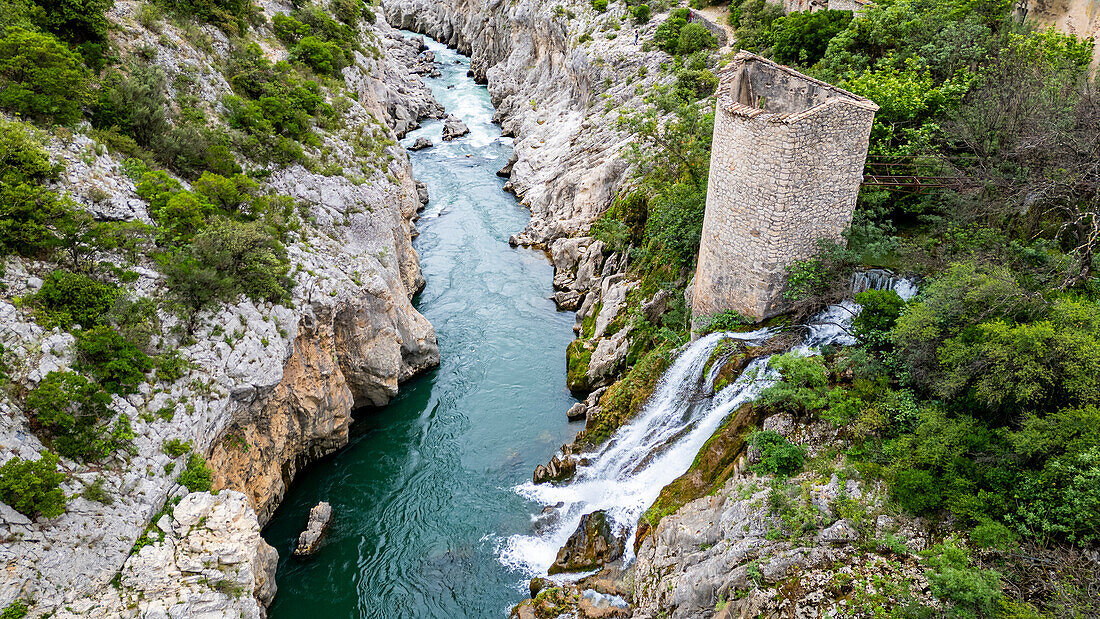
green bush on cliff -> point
(76, 415)
(197, 477)
(66, 299)
(30, 214)
(32, 487)
(40, 78)
(16, 610)
(778, 455)
(117, 364)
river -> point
(424, 495)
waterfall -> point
(625, 475)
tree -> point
(77, 21)
(33, 486)
(29, 213)
(117, 364)
(74, 412)
(802, 37)
(68, 299)
(41, 78)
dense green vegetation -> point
(32, 487)
(221, 238)
(977, 401)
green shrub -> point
(16, 610)
(972, 591)
(599, 5)
(176, 447)
(68, 299)
(326, 58)
(880, 311)
(694, 37)
(753, 20)
(667, 35)
(777, 455)
(348, 11)
(803, 386)
(76, 21)
(117, 364)
(197, 477)
(29, 213)
(97, 491)
(246, 257)
(40, 78)
(676, 221)
(640, 13)
(694, 84)
(288, 29)
(76, 414)
(801, 37)
(229, 15)
(917, 491)
(991, 534)
(729, 320)
(135, 104)
(33, 487)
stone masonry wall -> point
(779, 181)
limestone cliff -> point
(559, 78)
(269, 387)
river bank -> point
(422, 494)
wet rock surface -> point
(592, 545)
(310, 540)
(454, 128)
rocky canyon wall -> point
(269, 387)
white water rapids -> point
(625, 475)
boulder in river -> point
(591, 546)
(576, 412)
(557, 469)
(421, 143)
(453, 127)
(310, 539)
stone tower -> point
(785, 169)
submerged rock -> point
(310, 539)
(453, 127)
(592, 545)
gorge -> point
(254, 256)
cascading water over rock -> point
(626, 474)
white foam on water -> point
(626, 474)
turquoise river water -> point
(424, 494)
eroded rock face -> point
(310, 539)
(594, 544)
(733, 546)
(211, 562)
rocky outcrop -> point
(210, 562)
(310, 539)
(454, 128)
(594, 544)
(737, 550)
